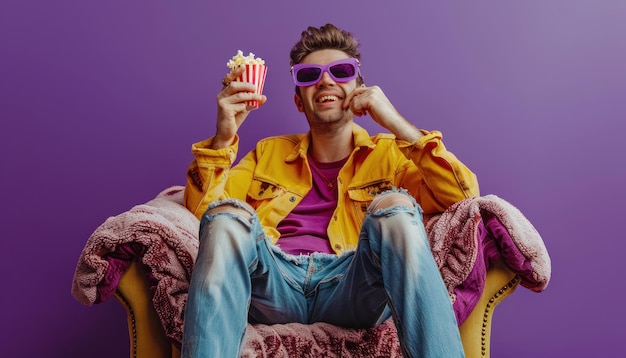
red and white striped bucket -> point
(254, 74)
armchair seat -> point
(148, 340)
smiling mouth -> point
(327, 99)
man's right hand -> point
(231, 107)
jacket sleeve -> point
(438, 178)
(207, 175)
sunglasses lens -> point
(343, 70)
(308, 74)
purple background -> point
(101, 100)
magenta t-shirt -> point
(304, 230)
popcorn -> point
(239, 59)
(255, 72)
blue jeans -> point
(240, 277)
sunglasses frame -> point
(326, 68)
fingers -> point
(236, 92)
(232, 75)
(350, 97)
(236, 87)
(372, 101)
(231, 84)
(358, 101)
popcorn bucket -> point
(254, 74)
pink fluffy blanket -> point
(163, 235)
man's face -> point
(322, 103)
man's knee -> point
(391, 199)
(234, 207)
(231, 221)
(224, 214)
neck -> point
(332, 146)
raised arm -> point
(231, 107)
(208, 172)
(439, 178)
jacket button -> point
(292, 199)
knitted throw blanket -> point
(163, 235)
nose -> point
(326, 79)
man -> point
(323, 226)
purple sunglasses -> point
(307, 74)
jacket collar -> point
(361, 139)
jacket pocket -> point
(261, 191)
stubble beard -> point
(328, 123)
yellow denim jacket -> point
(275, 176)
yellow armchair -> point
(148, 340)
(165, 228)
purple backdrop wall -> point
(100, 101)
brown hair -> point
(328, 36)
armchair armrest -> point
(476, 329)
(147, 338)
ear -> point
(298, 101)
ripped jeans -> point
(241, 277)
